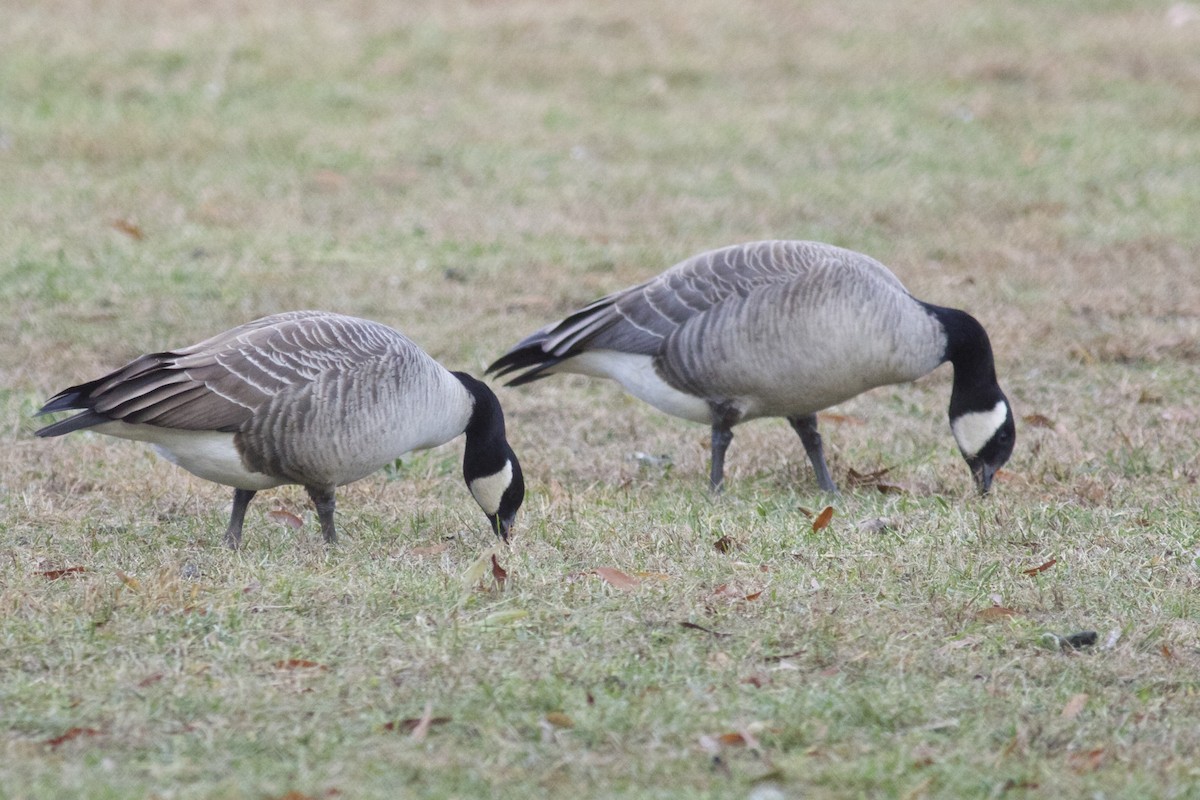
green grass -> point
(469, 171)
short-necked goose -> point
(776, 329)
(304, 397)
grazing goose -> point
(305, 397)
(776, 329)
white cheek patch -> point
(972, 431)
(488, 490)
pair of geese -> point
(766, 329)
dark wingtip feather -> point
(78, 422)
(66, 400)
(530, 358)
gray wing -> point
(643, 318)
(219, 384)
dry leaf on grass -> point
(1038, 421)
(559, 720)
(129, 581)
(1088, 761)
(55, 574)
(616, 578)
(1040, 567)
(71, 733)
(822, 520)
(856, 478)
(726, 544)
(841, 419)
(410, 724)
(128, 228)
(1074, 706)
(994, 613)
(499, 573)
(286, 518)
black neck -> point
(486, 446)
(970, 351)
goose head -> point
(981, 418)
(490, 467)
(985, 438)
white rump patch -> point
(488, 490)
(972, 431)
(211, 455)
(636, 373)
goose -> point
(776, 329)
(303, 397)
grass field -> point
(467, 171)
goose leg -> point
(721, 437)
(233, 533)
(323, 499)
(806, 426)
(724, 417)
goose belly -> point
(211, 455)
(636, 373)
(340, 445)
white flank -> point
(207, 454)
(973, 431)
(488, 490)
(636, 373)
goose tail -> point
(540, 352)
(76, 398)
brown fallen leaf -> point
(1088, 761)
(757, 680)
(128, 228)
(129, 581)
(753, 595)
(299, 663)
(559, 720)
(71, 733)
(55, 574)
(616, 578)
(1040, 567)
(150, 680)
(891, 488)
(993, 613)
(410, 724)
(856, 478)
(725, 544)
(841, 419)
(822, 520)
(295, 795)
(1149, 398)
(1038, 421)
(1074, 706)
(499, 573)
(1168, 652)
(732, 739)
(286, 518)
